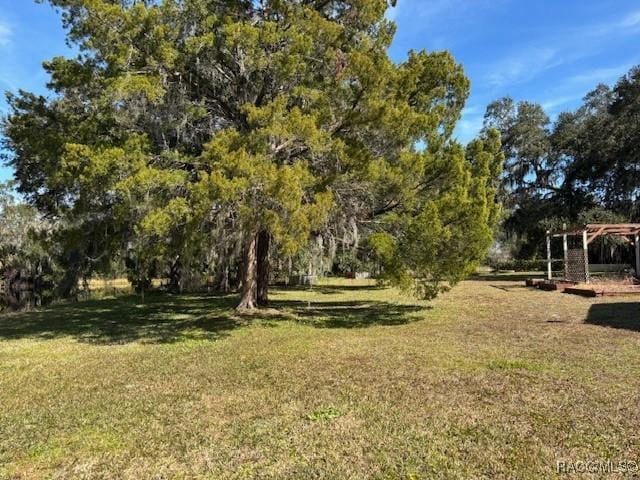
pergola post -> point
(636, 243)
(565, 249)
(585, 246)
(548, 255)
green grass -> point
(347, 380)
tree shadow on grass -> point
(359, 314)
(505, 277)
(161, 319)
(332, 289)
(624, 315)
(167, 318)
(509, 288)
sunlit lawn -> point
(345, 381)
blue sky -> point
(551, 52)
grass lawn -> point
(489, 381)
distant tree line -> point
(582, 168)
(27, 263)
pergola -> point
(629, 232)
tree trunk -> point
(175, 276)
(249, 292)
(68, 286)
(263, 267)
(222, 280)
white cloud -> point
(6, 33)
(628, 24)
(573, 45)
(552, 104)
(632, 20)
(571, 90)
(523, 66)
(471, 110)
(601, 75)
(469, 125)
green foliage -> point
(441, 239)
(524, 130)
(581, 169)
(348, 262)
(184, 128)
(27, 266)
(522, 265)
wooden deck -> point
(585, 290)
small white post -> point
(565, 248)
(636, 242)
(548, 255)
(585, 246)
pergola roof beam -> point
(595, 230)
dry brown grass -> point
(344, 381)
(117, 284)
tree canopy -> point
(584, 166)
(207, 137)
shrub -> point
(520, 265)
